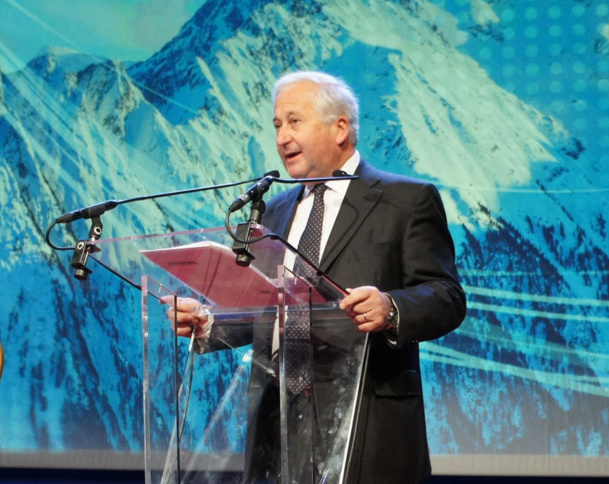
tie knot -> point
(319, 189)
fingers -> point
(366, 306)
(183, 304)
(365, 299)
(185, 314)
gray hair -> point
(334, 98)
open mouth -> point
(291, 156)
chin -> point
(294, 172)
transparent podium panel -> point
(196, 405)
(161, 383)
(220, 403)
(317, 424)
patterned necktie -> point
(297, 336)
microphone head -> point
(339, 173)
(273, 173)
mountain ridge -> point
(508, 174)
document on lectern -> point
(210, 270)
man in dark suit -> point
(385, 237)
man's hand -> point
(368, 308)
(187, 316)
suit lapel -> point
(360, 199)
(285, 210)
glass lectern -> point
(216, 406)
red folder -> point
(210, 270)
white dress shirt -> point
(333, 198)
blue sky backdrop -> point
(126, 30)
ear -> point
(343, 128)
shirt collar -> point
(340, 186)
(349, 168)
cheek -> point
(309, 145)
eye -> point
(294, 120)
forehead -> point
(297, 97)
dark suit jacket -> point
(391, 232)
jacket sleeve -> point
(431, 302)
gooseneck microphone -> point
(262, 186)
(100, 208)
(87, 212)
(255, 191)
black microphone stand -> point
(84, 248)
(243, 235)
(241, 243)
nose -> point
(282, 136)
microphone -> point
(87, 212)
(336, 173)
(255, 191)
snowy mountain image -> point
(512, 130)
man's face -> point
(308, 147)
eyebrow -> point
(288, 114)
